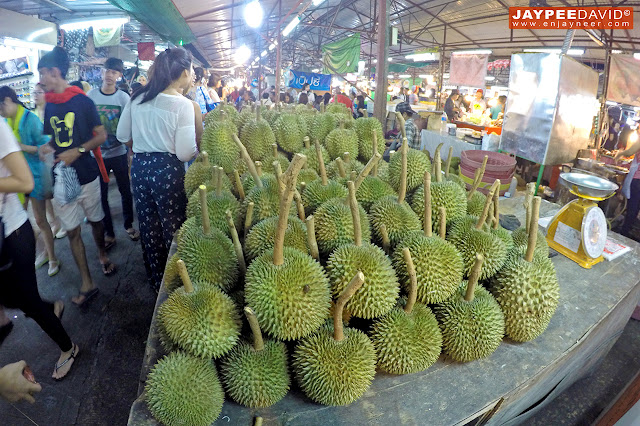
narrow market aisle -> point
(111, 332)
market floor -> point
(112, 331)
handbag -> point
(210, 106)
(5, 258)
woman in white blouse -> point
(160, 122)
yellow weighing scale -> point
(579, 229)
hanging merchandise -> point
(342, 56)
(107, 36)
(147, 51)
(624, 80)
(468, 70)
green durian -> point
(417, 164)
(322, 124)
(365, 128)
(261, 237)
(341, 140)
(371, 190)
(290, 131)
(258, 137)
(398, 219)
(349, 165)
(334, 225)
(216, 115)
(171, 278)
(198, 173)
(217, 204)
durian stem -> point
(204, 210)
(239, 186)
(205, 157)
(443, 222)
(437, 161)
(490, 216)
(289, 179)
(474, 277)
(386, 242)
(354, 285)
(341, 170)
(528, 195)
(375, 149)
(248, 218)
(401, 124)
(303, 186)
(299, 205)
(247, 159)
(236, 243)
(487, 204)
(428, 226)
(346, 157)
(355, 214)
(322, 107)
(278, 172)
(274, 147)
(448, 165)
(259, 168)
(323, 170)
(413, 280)
(258, 342)
(307, 143)
(184, 275)
(258, 421)
(402, 193)
(393, 151)
(367, 169)
(311, 238)
(258, 112)
(219, 173)
(496, 209)
(478, 177)
(533, 229)
(353, 176)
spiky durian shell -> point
(315, 194)
(215, 115)
(417, 164)
(307, 176)
(322, 125)
(378, 294)
(371, 190)
(197, 174)
(504, 235)
(256, 379)
(528, 293)
(383, 171)
(399, 219)
(267, 165)
(245, 116)
(262, 236)
(331, 372)
(211, 184)
(475, 204)
(265, 199)
(209, 258)
(290, 300)
(453, 177)
(520, 241)
(183, 390)
(333, 172)
(312, 158)
(443, 194)
(407, 343)
(486, 243)
(204, 323)
(217, 142)
(166, 343)
(438, 265)
(339, 141)
(171, 277)
(248, 183)
(334, 225)
(470, 330)
(258, 137)
(365, 127)
(217, 207)
(339, 108)
(290, 131)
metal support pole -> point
(278, 54)
(605, 88)
(380, 100)
(441, 71)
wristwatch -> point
(82, 150)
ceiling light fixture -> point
(14, 42)
(96, 23)
(242, 54)
(253, 14)
(417, 57)
(473, 52)
(294, 23)
(39, 33)
(404, 76)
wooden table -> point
(506, 388)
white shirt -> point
(13, 215)
(310, 96)
(164, 124)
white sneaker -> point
(54, 268)
(41, 259)
(61, 234)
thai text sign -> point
(567, 18)
(316, 81)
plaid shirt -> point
(413, 134)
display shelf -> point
(10, 76)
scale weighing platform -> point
(579, 229)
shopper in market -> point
(19, 289)
(450, 107)
(306, 89)
(27, 130)
(201, 92)
(160, 121)
(631, 188)
(303, 99)
(213, 93)
(110, 102)
(413, 134)
(498, 109)
(73, 122)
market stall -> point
(430, 140)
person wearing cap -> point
(413, 134)
(478, 104)
(450, 107)
(110, 102)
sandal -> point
(74, 353)
(54, 268)
(133, 234)
(88, 295)
(108, 244)
(108, 269)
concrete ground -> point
(111, 332)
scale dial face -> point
(594, 232)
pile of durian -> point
(305, 257)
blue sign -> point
(316, 81)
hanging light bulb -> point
(253, 14)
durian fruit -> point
(475, 199)
(392, 217)
(323, 189)
(216, 114)
(451, 170)
(208, 252)
(521, 235)
(443, 194)
(200, 318)
(287, 288)
(365, 128)
(276, 156)
(527, 289)
(171, 276)
(438, 263)
(323, 123)
(218, 202)
(472, 236)
(407, 340)
(257, 137)
(341, 140)
(336, 365)
(198, 173)
(245, 116)
(256, 375)
(496, 229)
(183, 390)
(312, 158)
(370, 189)
(261, 236)
(290, 130)
(471, 320)
(217, 140)
(343, 166)
(378, 295)
(417, 164)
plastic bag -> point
(67, 186)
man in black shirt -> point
(450, 105)
(72, 120)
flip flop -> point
(71, 357)
(88, 295)
(108, 269)
(5, 330)
(133, 234)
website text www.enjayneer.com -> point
(572, 24)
